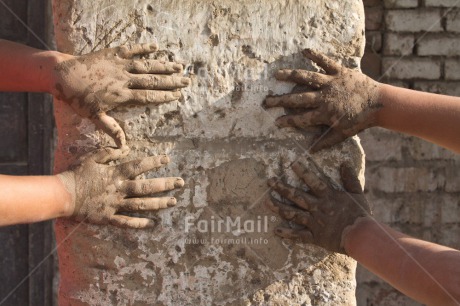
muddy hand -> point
(99, 191)
(97, 82)
(343, 99)
(324, 212)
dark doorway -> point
(27, 263)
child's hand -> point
(100, 191)
(324, 211)
(345, 100)
(97, 82)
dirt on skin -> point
(100, 191)
(344, 100)
(95, 83)
(323, 212)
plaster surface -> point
(224, 145)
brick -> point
(450, 208)
(414, 20)
(425, 209)
(398, 83)
(411, 68)
(412, 179)
(450, 236)
(453, 21)
(371, 64)
(372, 2)
(400, 3)
(388, 210)
(374, 40)
(398, 44)
(452, 69)
(365, 276)
(445, 88)
(382, 209)
(381, 294)
(381, 146)
(420, 149)
(435, 44)
(408, 179)
(452, 179)
(442, 3)
(374, 17)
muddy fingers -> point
(100, 191)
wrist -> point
(66, 182)
(54, 58)
(382, 98)
(352, 234)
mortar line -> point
(418, 40)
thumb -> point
(112, 128)
(326, 140)
(350, 180)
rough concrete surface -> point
(221, 142)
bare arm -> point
(94, 83)
(340, 221)
(27, 69)
(435, 118)
(347, 102)
(93, 192)
(28, 199)
(427, 272)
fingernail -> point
(271, 182)
(282, 73)
(125, 150)
(264, 104)
(295, 164)
(268, 101)
(279, 73)
(165, 159)
(179, 183)
(279, 122)
(177, 67)
(177, 94)
(314, 148)
(172, 202)
(185, 81)
(284, 121)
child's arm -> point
(348, 102)
(427, 272)
(27, 69)
(435, 118)
(28, 199)
(341, 221)
(93, 192)
(94, 83)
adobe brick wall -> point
(413, 185)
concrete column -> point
(221, 142)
